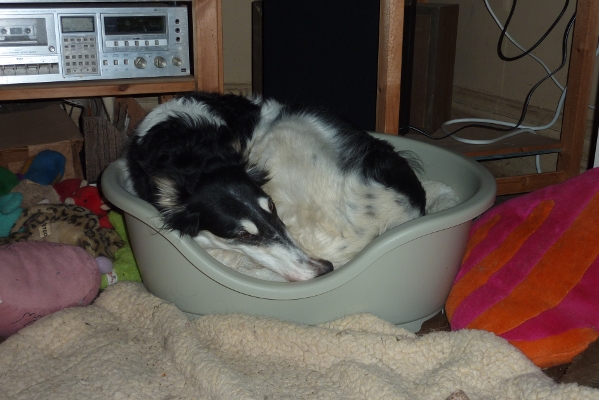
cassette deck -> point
(68, 43)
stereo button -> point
(140, 63)
(160, 62)
(9, 70)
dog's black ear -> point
(258, 175)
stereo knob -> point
(177, 62)
(140, 62)
(160, 62)
(3, 31)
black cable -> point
(528, 97)
(73, 105)
(504, 30)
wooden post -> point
(389, 66)
(208, 49)
(580, 78)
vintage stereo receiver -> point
(71, 43)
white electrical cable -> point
(523, 128)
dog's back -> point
(336, 187)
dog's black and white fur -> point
(215, 166)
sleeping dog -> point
(216, 165)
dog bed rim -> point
(472, 207)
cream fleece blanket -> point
(132, 345)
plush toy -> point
(104, 265)
(66, 224)
(10, 210)
(39, 278)
(8, 180)
(34, 193)
(124, 266)
(46, 167)
(89, 197)
(68, 187)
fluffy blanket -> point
(131, 345)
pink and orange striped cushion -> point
(531, 272)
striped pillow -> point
(531, 272)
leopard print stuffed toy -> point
(67, 224)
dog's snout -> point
(323, 266)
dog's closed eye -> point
(247, 231)
(245, 235)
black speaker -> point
(319, 53)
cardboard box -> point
(25, 131)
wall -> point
(479, 68)
(237, 43)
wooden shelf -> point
(524, 144)
(206, 49)
(569, 146)
(207, 66)
(121, 87)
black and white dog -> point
(215, 166)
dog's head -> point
(227, 209)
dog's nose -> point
(324, 267)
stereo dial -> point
(140, 62)
(177, 62)
(160, 62)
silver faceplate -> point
(84, 42)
